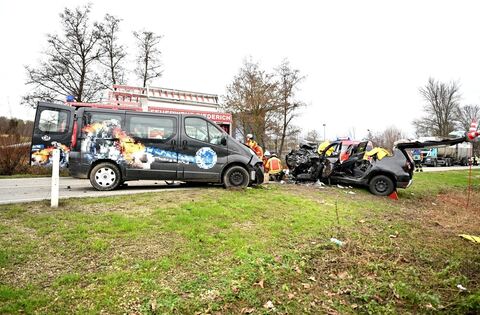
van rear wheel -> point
(236, 177)
(105, 176)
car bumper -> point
(404, 184)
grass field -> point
(256, 251)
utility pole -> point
(324, 138)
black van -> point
(113, 146)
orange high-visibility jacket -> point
(274, 165)
(256, 148)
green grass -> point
(215, 250)
(437, 182)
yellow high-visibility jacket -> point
(380, 152)
(323, 146)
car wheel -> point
(105, 176)
(236, 177)
(381, 185)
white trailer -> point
(457, 154)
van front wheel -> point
(105, 176)
(236, 176)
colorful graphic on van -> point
(106, 140)
(206, 158)
(42, 156)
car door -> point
(53, 126)
(202, 151)
(150, 150)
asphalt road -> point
(38, 188)
(450, 168)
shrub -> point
(14, 155)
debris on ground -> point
(394, 235)
(320, 184)
(336, 241)
(461, 287)
(247, 310)
(340, 186)
(350, 192)
(269, 305)
(472, 238)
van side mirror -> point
(223, 141)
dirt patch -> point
(449, 212)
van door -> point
(202, 150)
(152, 149)
(53, 125)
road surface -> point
(38, 188)
(449, 168)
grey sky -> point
(364, 60)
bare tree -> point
(288, 81)
(313, 136)
(441, 108)
(148, 59)
(252, 99)
(387, 138)
(68, 68)
(465, 116)
(113, 52)
(273, 138)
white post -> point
(55, 177)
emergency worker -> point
(254, 146)
(417, 159)
(323, 146)
(266, 156)
(274, 167)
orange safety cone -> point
(393, 195)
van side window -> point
(101, 124)
(196, 128)
(154, 128)
(202, 130)
(215, 135)
(91, 118)
(53, 121)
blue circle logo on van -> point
(206, 158)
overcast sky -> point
(364, 60)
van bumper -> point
(257, 174)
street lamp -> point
(324, 132)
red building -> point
(163, 100)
